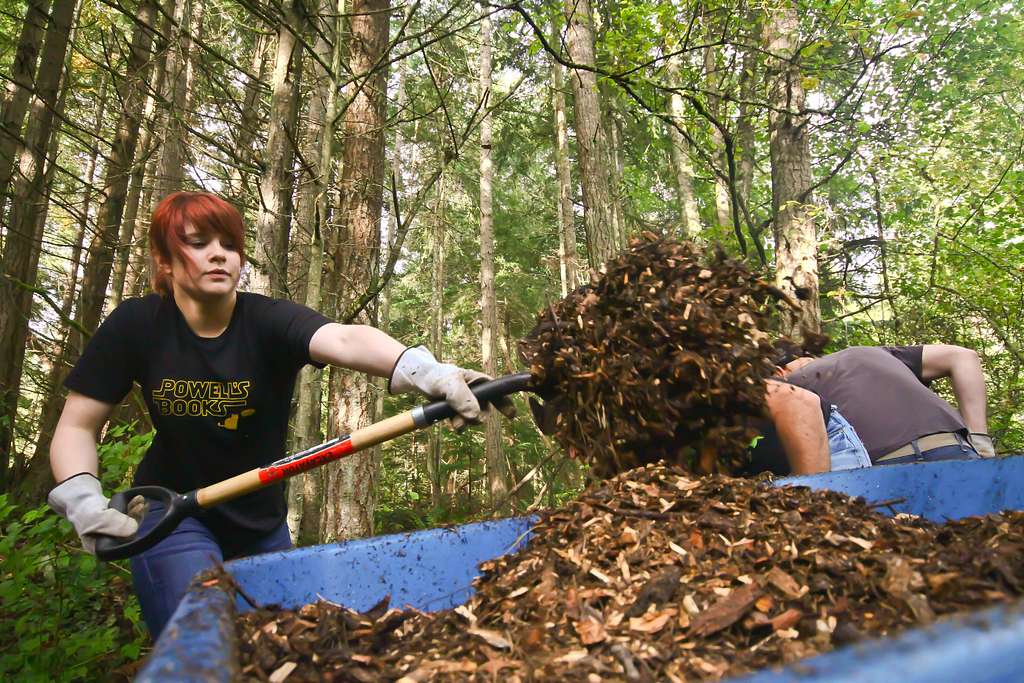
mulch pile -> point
(661, 357)
(657, 576)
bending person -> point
(884, 393)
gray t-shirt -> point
(880, 391)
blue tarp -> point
(434, 569)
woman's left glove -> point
(417, 369)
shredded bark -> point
(733, 576)
(661, 357)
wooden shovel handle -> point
(363, 438)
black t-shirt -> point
(220, 406)
(881, 392)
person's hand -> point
(80, 500)
(418, 370)
(983, 444)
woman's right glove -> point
(80, 500)
(417, 369)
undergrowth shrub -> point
(64, 615)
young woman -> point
(217, 368)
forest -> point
(447, 170)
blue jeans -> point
(845, 447)
(162, 574)
(963, 451)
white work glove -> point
(983, 444)
(80, 500)
(417, 369)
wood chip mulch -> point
(658, 576)
(663, 356)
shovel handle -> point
(179, 506)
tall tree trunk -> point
(745, 135)
(270, 252)
(23, 466)
(100, 256)
(398, 162)
(796, 264)
(351, 494)
(307, 185)
(435, 442)
(305, 492)
(19, 90)
(138, 260)
(58, 370)
(131, 232)
(31, 477)
(689, 214)
(187, 18)
(497, 472)
(614, 165)
(591, 139)
(119, 168)
(568, 259)
(21, 249)
(723, 209)
(145, 175)
(248, 119)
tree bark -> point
(497, 473)
(591, 139)
(398, 162)
(796, 265)
(248, 120)
(138, 258)
(131, 233)
(723, 207)
(99, 261)
(187, 18)
(305, 492)
(351, 485)
(746, 139)
(435, 441)
(19, 90)
(21, 249)
(308, 186)
(54, 402)
(100, 255)
(614, 165)
(31, 477)
(689, 214)
(568, 259)
(270, 252)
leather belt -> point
(925, 443)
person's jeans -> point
(845, 447)
(162, 574)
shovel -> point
(178, 506)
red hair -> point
(207, 212)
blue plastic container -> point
(434, 570)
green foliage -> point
(919, 198)
(64, 616)
(937, 182)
